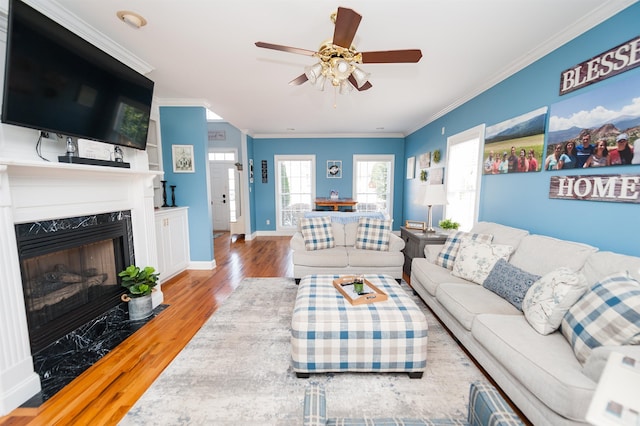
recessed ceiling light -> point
(291, 129)
(131, 18)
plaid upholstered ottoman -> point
(329, 334)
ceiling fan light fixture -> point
(313, 72)
(360, 76)
(345, 87)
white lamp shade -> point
(433, 195)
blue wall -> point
(324, 149)
(188, 126)
(522, 200)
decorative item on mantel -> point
(139, 284)
(164, 193)
(173, 196)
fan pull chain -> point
(335, 97)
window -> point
(222, 156)
(464, 155)
(295, 188)
(373, 182)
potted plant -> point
(448, 225)
(139, 284)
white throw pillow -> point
(475, 260)
(447, 256)
(549, 298)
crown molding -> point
(55, 11)
(326, 135)
(581, 25)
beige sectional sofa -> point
(540, 373)
(344, 257)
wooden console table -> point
(335, 203)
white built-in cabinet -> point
(172, 235)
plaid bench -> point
(329, 334)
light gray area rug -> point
(237, 371)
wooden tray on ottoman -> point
(371, 293)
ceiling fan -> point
(338, 58)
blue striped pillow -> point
(373, 234)
(608, 314)
(317, 233)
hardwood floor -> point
(103, 394)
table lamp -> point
(433, 195)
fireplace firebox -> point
(70, 271)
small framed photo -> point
(183, 161)
(415, 225)
(437, 176)
(411, 167)
(334, 169)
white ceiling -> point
(202, 52)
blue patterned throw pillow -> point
(373, 234)
(317, 233)
(607, 315)
(509, 282)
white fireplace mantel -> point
(31, 191)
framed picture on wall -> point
(183, 161)
(411, 167)
(334, 169)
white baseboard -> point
(202, 265)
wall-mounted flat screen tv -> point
(55, 81)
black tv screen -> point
(55, 81)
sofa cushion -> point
(604, 263)
(317, 233)
(550, 298)
(546, 364)
(373, 258)
(447, 256)
(333, 257)
(430, 276)
(373, 234)
(608, 314)
(502, 234)
(475, 259)
(540, 254)
(465, 301)
(509, 282)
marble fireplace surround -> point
(32, 191)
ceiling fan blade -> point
(298, 80)
(347, 22)
(365, 86)
(285, 48)
(391, 56)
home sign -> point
(611, 188)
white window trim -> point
(472, 133)
(276, 160)
(377, 157)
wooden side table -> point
(414, 242)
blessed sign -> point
(612, 188)
(612, 62)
